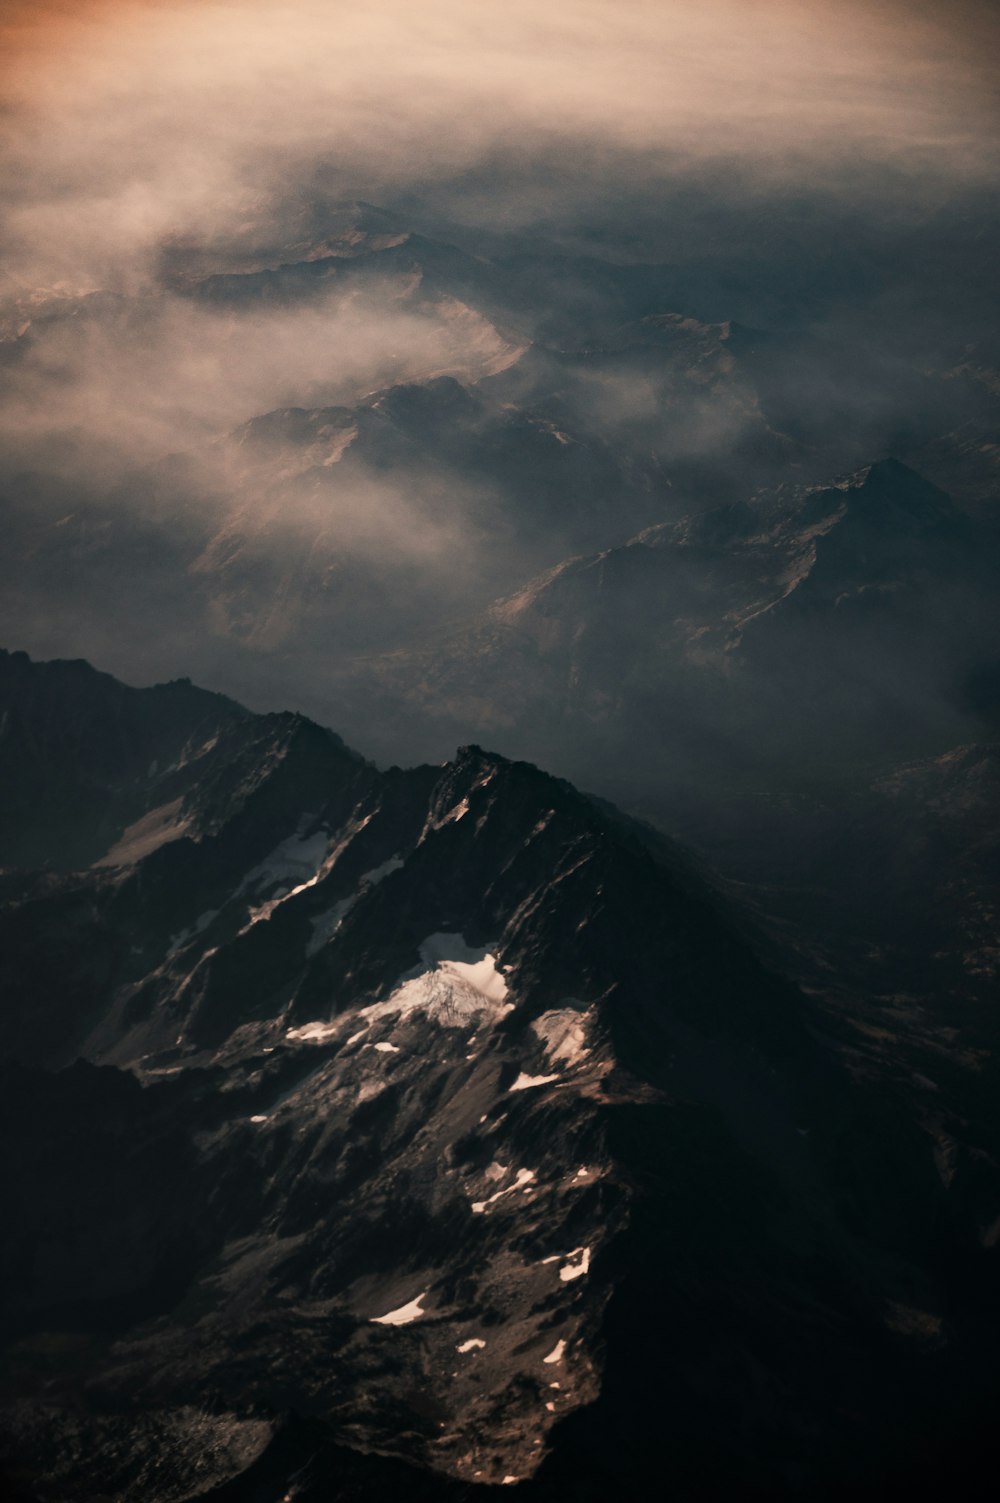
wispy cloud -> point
(159, 136)
(129, 122)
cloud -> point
(127, 123)
(745, 145)
(174, 373)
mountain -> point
(432, 1129)
(331, 502)
(395, 418)
(777, 637)
(68, 793)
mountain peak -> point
(886, 495)
(449, 1072)
(900, 491)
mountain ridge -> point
(420, 1102)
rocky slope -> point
(82, 756)
(437, 1129)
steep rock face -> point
(451, 1115)
(236, 795)
(82, 756)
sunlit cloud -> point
(146, 144)
(127, 123)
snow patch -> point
(325, 925)
(377, 873)
(473, 1344)
(310, 858)
(571, 1270)
(405, 1313)
(296, 861)
(575, 1270)
(556, 1354)
(386, 1048)
(314, 1033)
(477, 967)
(528, 1082)
(459, 985)
(523, 1181)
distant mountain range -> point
(772, 642)
(532, 407)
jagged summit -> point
(890, 494)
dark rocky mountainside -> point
(895, 876)
(423, 1131)
(82, 756)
